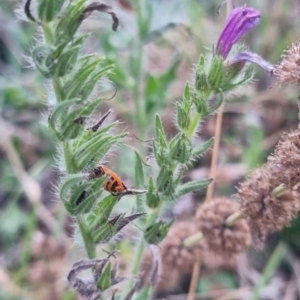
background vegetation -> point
(36, 233)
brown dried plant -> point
(285, 162)
(288, 70)
(221, 238)
(176, 258)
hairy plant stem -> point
(87, 239)
(215, 154)
(68, 159)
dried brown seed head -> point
(288, 70)
(220, 238)
(261, 205)
(174, 253)
(285, 162)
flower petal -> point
(252, 57)
(239, 21)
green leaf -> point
(144, 17)
(160, 133)
(67, 61)
(187, 97)
(218, 104)
(93, 79)
(183, 116)
(139, 171)
(49, 9)
(59, 111)
(69, 129)
(139, 181)
(192, 186)
(164, 181)
(74, 85)
(70, 21)
(216, 73)
(88, 135)
(156, 88)
(39, 55)
(67, 184)
(152, 197)
(203, 148)
(104, 281)
(95, 148)
(79, 197)
(101, 212)
(157, 231)
(241, 80)
(89, 199)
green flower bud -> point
(160, 154)
(216, 73)
(182, 149)
(164, 180)
(152, 200)
(201, 104)
(152, 197)
(201, 83)
(186, 152)
(183, 116)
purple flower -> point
(240, 20)
(247, 56)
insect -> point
(114, 183)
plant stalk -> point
(88, 241)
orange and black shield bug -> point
(114, 183)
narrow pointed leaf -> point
(192, 186)
(101, 212)
(203, 148)
(160, 133)
(187, 97)
(74, 86)
(139, 181)
(104, 281)
(95, 149)
(68, 184)
(88, 134)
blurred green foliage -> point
(143, 42)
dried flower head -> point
(288, 70)
(285, 162)
(173, 251)
(221, 238)
(265, 202)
